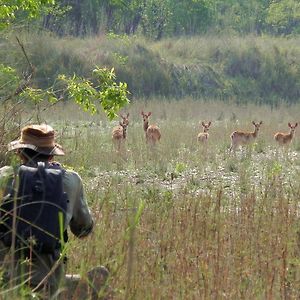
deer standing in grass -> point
(152, 131)
(203, 136)
(119, 132)
(243, 138)
(284, 139)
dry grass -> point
(255, 69)
(185, 222)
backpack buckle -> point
(41, 165)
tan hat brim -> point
(56, 150)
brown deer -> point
(119, 132)
(203, 136)
(243, 138)
(152, 131)
(284, 139)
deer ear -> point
(209, 123)
(149, 113)
(127, 115)
(289, 124)
(260, 122)
(120, 123)
(296, 124)
(203, 124)
(142, 113)
(253, 122)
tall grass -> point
(182, 221)
(255, 69)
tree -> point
(240, 16)
(191, 17)
(155, 18)
(9, 9)
(284, 16)
(91, 16)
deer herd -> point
(238, 138)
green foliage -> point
(266, 75)
(274, 170)
(110, 95)
(261, 70)
(145, 72)
(284, 16)
(9, 9)
(158, 18)
(8, 80)
(180, 168)
(240, 16)
(37, 96)
(164, 18)
(82, 91)
(191, 17)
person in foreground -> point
(39, 200)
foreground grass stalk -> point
(131, 243)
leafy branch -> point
(107, 93)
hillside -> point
(249, 69)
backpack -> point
(40, 207)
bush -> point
(261, 70)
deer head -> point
(293, 127)
(257, 125)
(146, 119)
(125, 119)
(206, 126)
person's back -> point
(43, 269)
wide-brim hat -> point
(40, 138)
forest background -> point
(238, 50)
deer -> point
(119, 132)
(243, 137)
(284, 139)
(203, 136)
(152, 132)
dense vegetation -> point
(249, 69)
(173, 61)
(165, 18)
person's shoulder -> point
(6, 171)
(71, 175)
(72, 180)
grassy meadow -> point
(183, 221)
